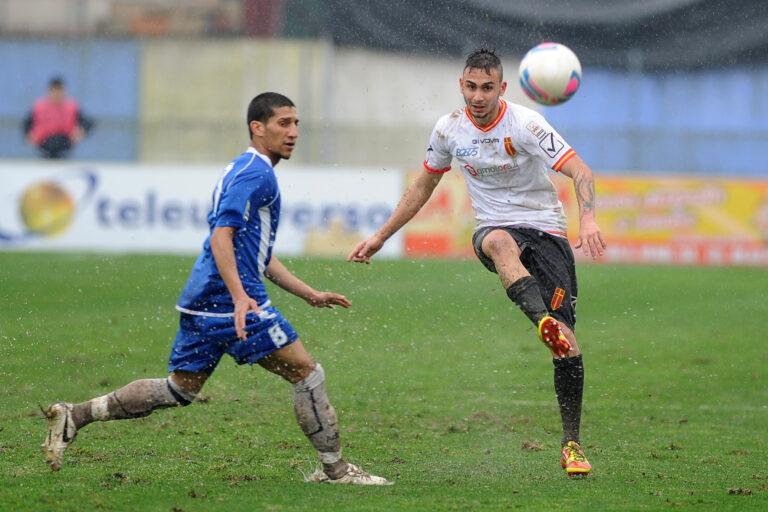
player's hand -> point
(242, 307)
(328, 300)
(364, 250)
(591, 240)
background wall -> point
(102, 74)
(168, 84)
(357, 107)
(166, 100)
(703, 122)
(195, 95)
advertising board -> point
(163, 208)
(645, 219)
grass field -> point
(440, 384)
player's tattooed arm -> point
(591, 239)
(584, 185)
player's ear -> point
(461, 84)
(503, 88)
(257, 128)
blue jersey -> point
(246, 197)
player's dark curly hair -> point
(263, 106)
(485, 59)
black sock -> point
(525, 293)
(569, 387)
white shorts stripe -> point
(263, 315)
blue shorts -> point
(202, 340)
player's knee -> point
(315, 378)
(181, 395)
(498, 243)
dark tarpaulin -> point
(634, 34)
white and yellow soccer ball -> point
(550, 73)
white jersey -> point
(505, 166)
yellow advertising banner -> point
(645, 219)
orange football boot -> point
(573, 460)
(552, 336)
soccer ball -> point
(550, 73)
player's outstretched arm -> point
(590, 237)
(224, 254)
(282, 277)
(411, 202)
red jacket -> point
(50, 118)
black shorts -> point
(549, 259)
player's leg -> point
(315, 414)
(140, 398)
(274, 344)
(135, 400)
(547, 271)
(551, 262)
(569, 388)
(501, 248)
(193, 358)
(500, 253)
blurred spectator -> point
(55, 123)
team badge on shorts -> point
(557, 298)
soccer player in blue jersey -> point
(225, 309)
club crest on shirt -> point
(509, 147)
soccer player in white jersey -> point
(225, 309)
(505, 152)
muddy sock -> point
(135, 400)
(526, 294)
(569, 387)
(317, 419)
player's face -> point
(279, 134)
(481, 91)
